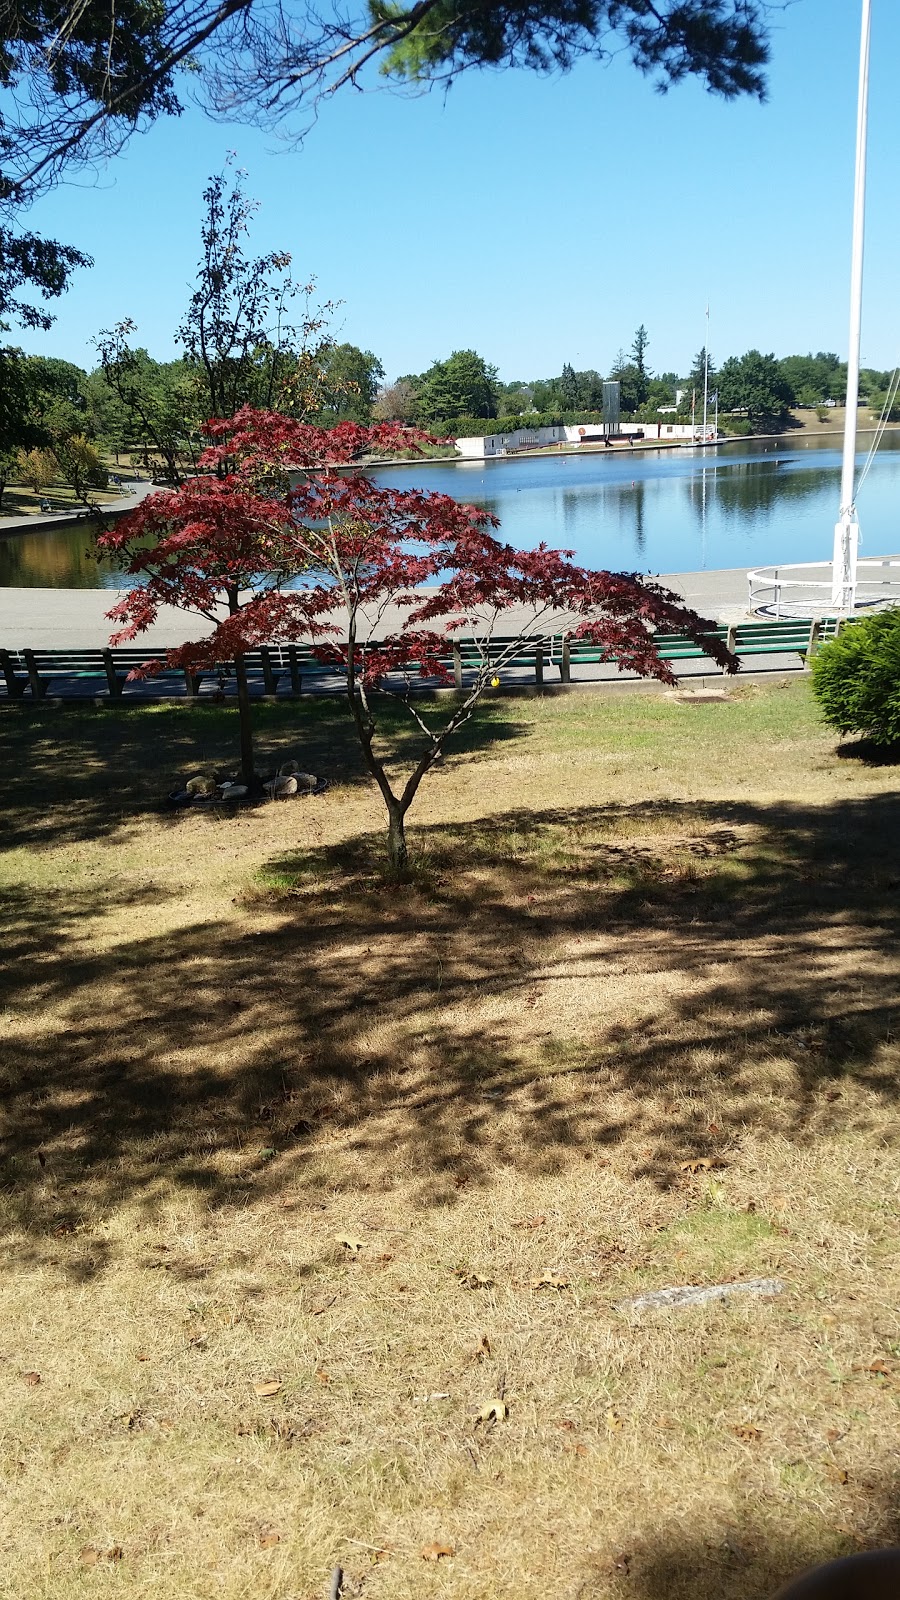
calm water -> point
(671, 511)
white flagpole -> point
(846, 531)
(705, 373)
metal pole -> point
(705, 373)
(846, 531)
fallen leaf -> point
(549, 1280)
(473, 1280)
(269, 1538)
(494, 1411)
(114, 1553)
(89, 1556)
(142, 1356)
(881, 1368)
(746, 1432)
(385, 1257)
(484, 1348)
(434, 1552)
(702, 1164)
(622, 1563)
(31, 1378)
(322, 1375)
(834, 1434)
(353, 1245)
(268, 1388)
(530, 1222)
(614, 1422)
(835, 1473)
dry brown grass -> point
(642, 936)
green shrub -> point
(856, 678)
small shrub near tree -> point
(856, 678)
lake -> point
(676, 510)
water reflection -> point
(666, 511)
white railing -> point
(784, 591)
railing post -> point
(15, 686)
(294, 669)
(112, 677)
(38, 685)
(269, 682)
(457, 666)
(539, 665)
(730, 639)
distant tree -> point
(350, 378)
(639, 361)
(236, 332)
(568, 388)
(159, 404)
(462, 386)
(753, 383)
(17, 427)
(632, 387)
(38, 468)
(812, 379)
(81, 465)
(57, 404)
(9, 469)
(396, 402)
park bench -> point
(798, 636)
(38, 670)
(270, 665)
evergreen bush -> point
(856, 678)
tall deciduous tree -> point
(237, 331)
(754, 383)
(433, 567)
(350, 378)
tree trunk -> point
(245, 717)
(398, 853)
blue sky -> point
(536, 220)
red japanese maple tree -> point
(388, 578)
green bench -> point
(742, 639)
(270, 665)
(38, 670)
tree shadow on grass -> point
(93, 773)
(343, 1032)
(745, 1555)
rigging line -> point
(889, 399)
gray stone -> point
(690, 1294)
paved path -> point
(61, 519)
(48, 618)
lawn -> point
(321, 1197)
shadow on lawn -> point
(747, 1559)
(222, 1058)
(73, 774)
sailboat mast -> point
(846, 533)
